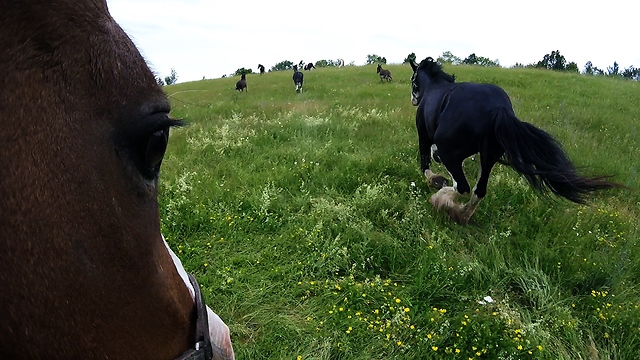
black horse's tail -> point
(539, 157)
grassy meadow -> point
(307, 222)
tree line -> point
(288, 65)
(552, 61)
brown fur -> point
(83, 267)
(445, 199)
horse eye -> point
(153, 150)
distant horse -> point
(241, 85)
(301, 65)
(261, 68)
(85, 271)
(309, 66)
(457, 120)
(298, 78)
(384, 74)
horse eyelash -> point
(176, 122)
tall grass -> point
(307, 221)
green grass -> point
(307, 222)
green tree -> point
(613, 70)
(572, 67)
(372, 59)
(448, 58)
(631, 73)
(589, 69)
(473, 59)
(554, 61)
(470, 60)
(241, 71)
(282, 65)
(159, 80)
(327, 63)
(171, 79)
(411, 57)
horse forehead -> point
(76, 42)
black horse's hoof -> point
(438, 181)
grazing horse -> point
(298, 78)
(241, 85)
(309, 66)
(384, 74)
(457, 120)
(85, 271)
(261, 68)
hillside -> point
(307, 222)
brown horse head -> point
(84, 269)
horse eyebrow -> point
(160, 105)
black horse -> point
(309, 66)
(298, 78)
(241, 85)
(261, 68)
(384, 74)
(457, 120)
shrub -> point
(171, 79)
(372, 59)
(282, 65)
(242, 71)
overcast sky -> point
(210, 38)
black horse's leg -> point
(425, 143)
(487, 160)
(460, 183)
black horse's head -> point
(428, 71)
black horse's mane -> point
(434, 70)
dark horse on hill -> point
(241, 85)
(384, 74)
(457, 120)
(261, 68)
(309, 66)
(298, 79)
(84, 268)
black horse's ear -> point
(413, 64)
